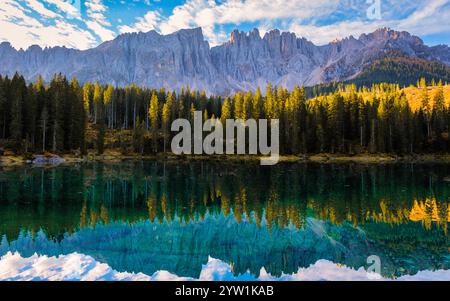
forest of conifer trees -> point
(65, 116)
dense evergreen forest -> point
(64, 116)
(401, 70)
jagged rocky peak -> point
(286, 42)
(387, 34)
(245, 62)
(140, 39)
(34, 48)
(242, 37)
(272, 36)
(5, 44)
(6, 49)
(254, 34)
(191, 32)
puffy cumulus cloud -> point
(22, 30)
(96, 10)
(194, 13)
(80, 267)
(210, 15)
(324, 34)
(209, 12)
(429, 18)
(236, 11)
(66, 8)
(57, 22)
(102, 32)
(41, 9)
(320, 21)
(426, 19)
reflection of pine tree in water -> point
(238, 212)
(78, 197)
(430, 211)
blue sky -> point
(84, 24)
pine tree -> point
(78, 116)
(257, 105)
(247, 106)
(238, 106)
(101, 127)
(138, 137)
(17, 94)
(154, 120)
(439, 98)
(337, 122)
(99, 118)
(44, 126)
(3, 109)
(269, 103)
(88, 95)
(165, 122)
(85, 115)
(58, 112)
(42, 101)
(30, 117)
(438, 117)
(226, 111)
(203, 101)
(97, 100)
(426, 106)
(108, 99)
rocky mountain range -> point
(245, 62)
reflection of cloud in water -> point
(82, 267)
(182, 248)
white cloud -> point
(235, 11)
(22, 30)
(146, 23)
(97, 22)
(96, 10)
(299, 16)
(65, 7)
(432, 17)
(102, 32)
(209, 14)
(427, 19)
(41, 9)
(324, 34)
(80, 267)
(59, 23)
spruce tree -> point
(257, 105)
(154, 120)
(3, 109)
(138, 137)
(44, 125)
(17, 94)
(165, 123)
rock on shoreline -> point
(47, 160)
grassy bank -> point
(113, 156)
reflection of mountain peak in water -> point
(183, 248)
(155, 216)
(74, 267)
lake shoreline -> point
(115, 157)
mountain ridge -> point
(247, 60)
